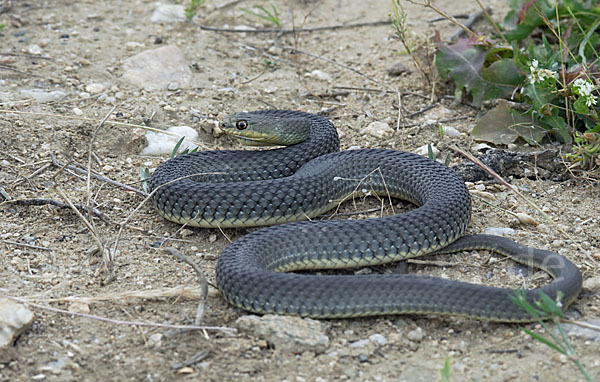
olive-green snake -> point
(241, 188)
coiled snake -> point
(242, 188)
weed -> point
(192, 8)
(546, 308)
(262, 12)
(545, 56)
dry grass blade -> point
(203, 282)
(223, 329)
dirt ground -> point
(86, 42)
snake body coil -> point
(239, 188)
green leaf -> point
(502, 125)
(463, 63)
(545, 341)
(580, 106)
(176, 148)
(145, 177)
(558, 126)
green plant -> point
(192, 8)
(145, 173)
(265, 14)
(546, 59)
(445, 372)
(545, 308)
(2, 26)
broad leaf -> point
(484, 74)
(503, 126)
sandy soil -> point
(85, 42)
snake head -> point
(264, 128)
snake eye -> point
(241, 125)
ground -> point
(86, 42)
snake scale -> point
(293, 184)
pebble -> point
(34, 49)
(94, 88)
(14, 319)
(363, 358)
(592, 284)
(378, 339)
(287, 333)
(319, 75)
(212, 238)
(79, 307)
(450, 131)
(159, 144)
(424, 150)
(155, 69)
(168, 13)
(378, 130)
(43, 96)
(359, 343)
(185, 232)
(499, 231)
(416, 335)
(397, 68)
(77, 111)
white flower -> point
(539, 75)
(584, 89)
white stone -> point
(378, 130)
(499, 231)
(155, 69)
(450, 131)
(287, 333)
(424, 150)
(168, 13)
(319, 75)
(34, 49)
(159, 144)
(14, 319)
(94, 88)
(43, 96)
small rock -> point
(319, 75)
(378, 130)
(579, 331)
(168, 13)
(359, 343)
(79, 307)
(416, 335)
(378, 339)
(185, 370)
(424, 150)
(185, 232)
(43, 96)
(397, 68)
(212, 238)
(173, 86)
(94, 88)
(451, 131)
(480, 147)
(499, 231)
(155, 69)
(34, 49)
(133, 45)
(287, 333)
(592, 284)
(155, 340)
(163, 144)
(77, 111)
(14, 319)
(363, 358)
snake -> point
(288, 266)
